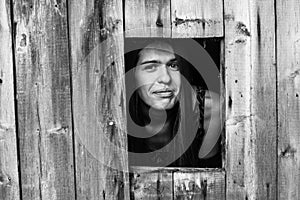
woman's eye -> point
(150, 67)
(174, 66)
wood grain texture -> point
(251, 99)
(263, 94)
(97, 50)
(288, 55)
(9, 176)
(199, 184)
(151, 184)
(44, 100)
(197, 18)
(237, 84)
(177, 183)
(145, 18)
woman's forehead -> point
(160, 45)
(157, 50)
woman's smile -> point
(158, 77)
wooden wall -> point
(9, 174)
(62, 98)
(43, 95)
(250, 67)
(288, 105)
(96, 43)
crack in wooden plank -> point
(179, 21)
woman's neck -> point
(155, 116)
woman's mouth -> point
(164, 93)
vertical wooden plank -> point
(194, 18)
(151, 184)
(199, 184)
(44, 101)
(9, 176)
(97, 50)
(251, 99)
(145, 18)
(263, 97)
(288, 54)
(237, 84)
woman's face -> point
(158, 77)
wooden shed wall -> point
(62, 97)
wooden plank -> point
(44, 100)
(263, 85)
(251, 99)
(145, 18)
(9, 176)
(97, 49)
(197, 18)
(199, 184)
(177, 183)
(147, 184)
(237, 84)
(288, 48)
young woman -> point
(168, 117)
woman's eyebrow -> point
(150, 61)
(157, 61)
(172, 60)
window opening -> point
(173, 102)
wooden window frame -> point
(151, 182)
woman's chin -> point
(163, 106)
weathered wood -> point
(197, 18)
(145, 18)
(177, 183)
(97, 46)
(44, 100)
(9, 176)
(237, 83)
(147, 183)
(288, 55)
(251, 99)
(263, 93)
(199, 184)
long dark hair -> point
(188, 120)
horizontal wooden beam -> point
(176, 18)
(145, 18)
(197, 19)
(177, 183)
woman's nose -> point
(164, 76)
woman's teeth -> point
(167, 93)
